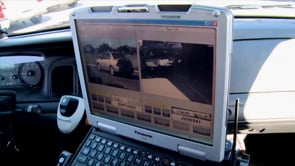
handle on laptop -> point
(145, 9)
(133, 9)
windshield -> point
(29, 16)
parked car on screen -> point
(115, 63)
(160, 54)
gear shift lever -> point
(69, 113)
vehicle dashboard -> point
(37, 69)
(45, 71)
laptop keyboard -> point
(101, 151)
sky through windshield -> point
(19, 17)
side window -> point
(106, 56)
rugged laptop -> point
(155, 82)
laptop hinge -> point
(106, 128)
(191, 152)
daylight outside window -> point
(19, 16)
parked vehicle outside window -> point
(20, 11)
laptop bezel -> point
(223, 52)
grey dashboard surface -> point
(34, 66)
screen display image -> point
(185, 69)
(159, 77)
(112, 62)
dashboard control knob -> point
(34, 109)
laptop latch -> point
(191, 152)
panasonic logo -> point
(171, 16)
(143, 134)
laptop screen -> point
(159, 75)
